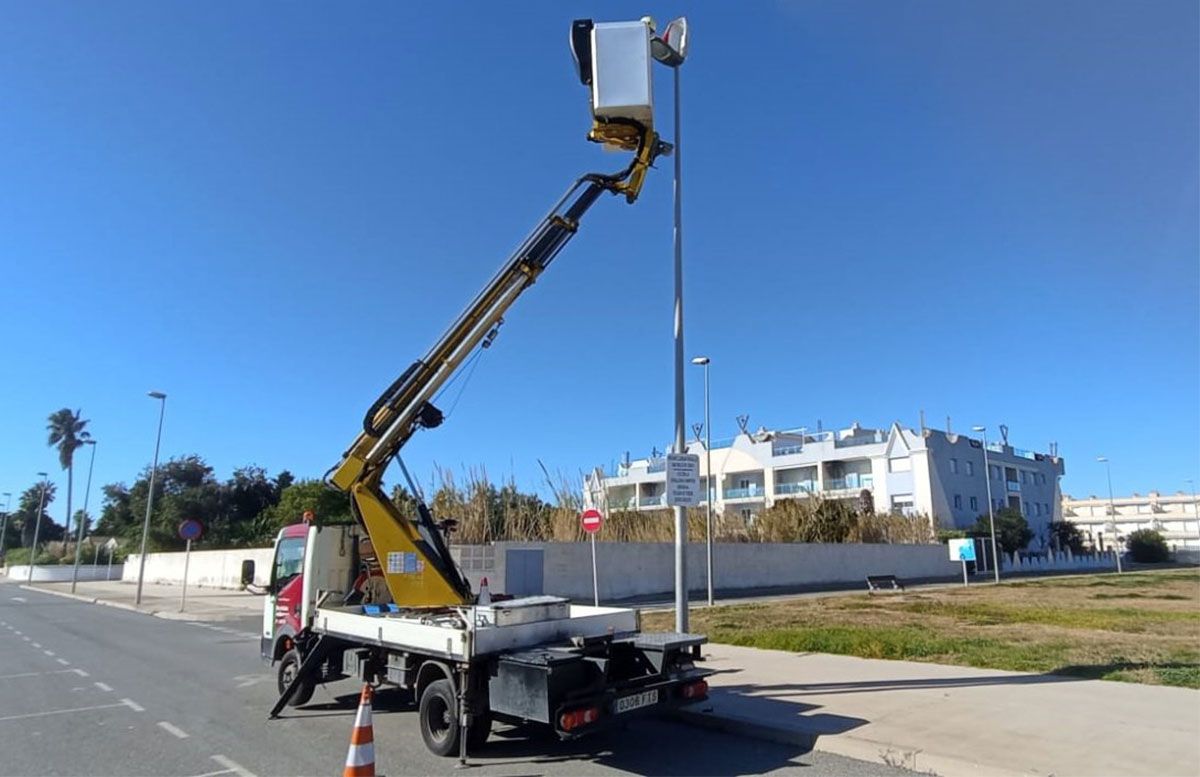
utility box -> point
(622, 86)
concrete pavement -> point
(953, 720)
(207, 604)
(88, 690)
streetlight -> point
(162, 409)
(86, 493)
(4, 525)
(671, 49)
(37, 524)
(1112, 509)
(987, 479)
(703, 361)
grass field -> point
(1138, 627)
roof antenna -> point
(742, 420)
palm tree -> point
(67, 432)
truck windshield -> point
(289, 560)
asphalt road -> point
(92, 690)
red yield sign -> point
(591, 521)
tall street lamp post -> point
(987, 479)
(670, 48)
(704, 361)
(37, 524)
(86, 493)
(162, 409)
(1112, 512)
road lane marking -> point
(133, 705)
(172, 730)
(214, 774)
(49, 653)
(63, 661)
(79, 672)
(233, 766)
(34, 674)
(103, 686)
(26, 639)
(19, 599)
(18, 633)
(37, 645)
(60, 712)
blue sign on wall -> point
(962, 550)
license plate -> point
(636, 701)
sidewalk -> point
(203, 604)
(952, 720)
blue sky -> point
(988, 211)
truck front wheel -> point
(289, 667)
(438, 712)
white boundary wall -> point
(207, 569)
(57, 573)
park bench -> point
(877, 583)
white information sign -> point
(683, 479)
(962, 550)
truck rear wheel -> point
(438, 712)
(289, 667)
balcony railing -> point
(787, 450)
(627, 503)
(652, 501)
(848, 482)
(1013, 486)
(806, 487)
(657, 465)
(860, 440)
(744, 493)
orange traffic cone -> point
(360, 760)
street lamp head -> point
(700, 360)
(671, 47)
(43, 475)
(156, 394)
(978, 428)
(89, 442)
(1102, 459)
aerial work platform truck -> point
(381, 600)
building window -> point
(954, 466)
(900, 465)
(1037, 508)
(974, 503)
(1046, 508)
(1041, 479)
(970, 468)
(1024, 476)
(995, 472)
(958, 501)
(1026, 508)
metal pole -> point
(37, 524)
(4, 526)
(108, 572)
(681, 527)
(964, 565)
(987, 472)
(162, 408)
(708, 485)
(96, 557)
(187, 558)
(595, 581)
(86, 493)
(1112, 509)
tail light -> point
(696, 690)
(573, 719)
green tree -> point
(1066, 536)
(1147, 546)
(21, 522)
(67, 432)
(328, 505)
(1012, 530)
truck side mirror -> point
(247, 572)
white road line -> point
(37, 645)
(63, 661)
(25, 638)
(18, 633)
(233, 766)
(18, 598)
(103, 686)
(61, 712)
(133, 705)
(214, 774)
(34, 674)
(79, 672)
(49, 653)
(172, 730)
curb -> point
(806, 740)
(90, 600)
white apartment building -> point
(1174, 516)
(933, 472)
